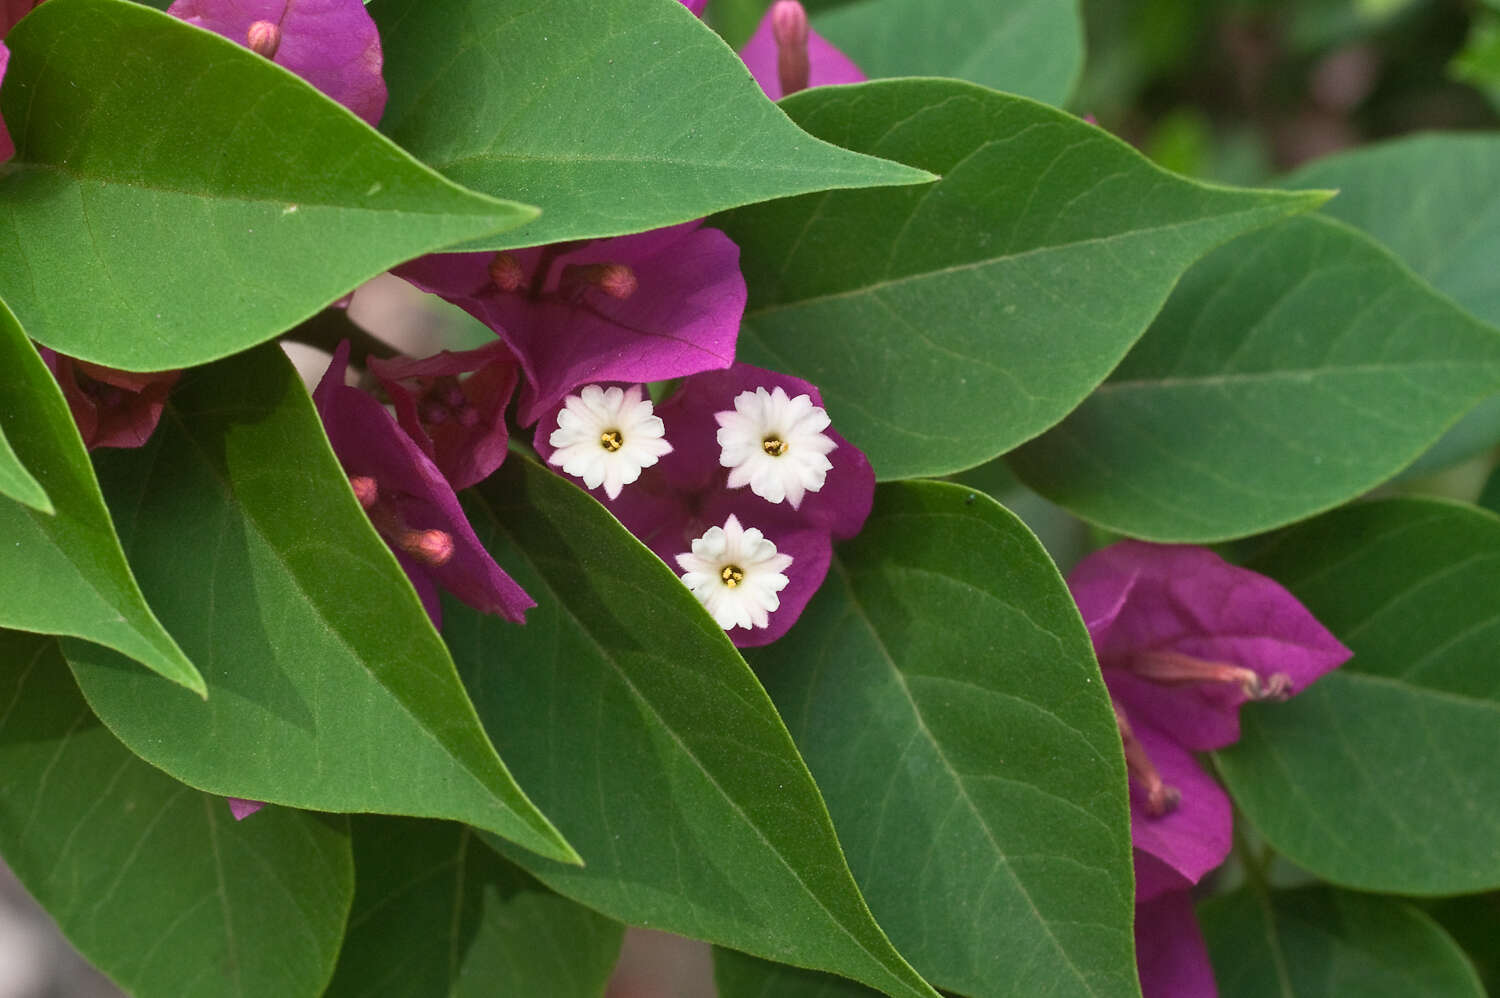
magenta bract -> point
(332, 44)
(826, 65)
(1169, 949)
(112, 408)
(677, 314)
(1137, 597)
(458, 423)
(411, 503)
(7, 147)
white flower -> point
(606, 436)
(775, 445)
(736, 574)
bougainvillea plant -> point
(688, 577)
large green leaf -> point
(1029, 47)
(1449, 233)
(1290, 371)
(946, 324)
(737, 975)
(1317, 942)
(1474, 922)
(944, 692)
(1382, 776)
(62, 570)
(16, 482)
(152, 880)
(437, 912)
(328, 687)
(627, 713)
(183, 198)
(622, 115)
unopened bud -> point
(1172, 668)
(365, 490)
(789, 29)
(506, 273)
(614, 279)
(1160, 798)
(431, 547)
(264, 37)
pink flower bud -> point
(789, 29)
(506, 273)
(264, 37)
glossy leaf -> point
(1029, 47)
(1318, 942)
(152, 880)
(1291, 370)
(16, 482)
(437, 912)
(629, 715)
(328, 688)
(624, 115)
(946, 324)
(1450, 234)
(63, 570)
(738, 975)
(943, 690)
(1381, 776)
(184, 198)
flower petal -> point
(1169, 949)
(826, 64)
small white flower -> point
(606, 436)
(775, 445)
(735, 573)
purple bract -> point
(332, 44)
(785, 55)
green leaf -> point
(62, 569)
(437, 912)
(152, 880)
(1029, 47)
(1381, 776)
(1474, 923)
(1291, 370)
(183, 198)
(1317, 942)
(1490, 497)
(1450, 235)
(627, 713)
(622, 115)
(328, 687)
(946, 324)
(15, 481)
(740, 976)
(944, 692)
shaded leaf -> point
(1022, 276)
(1381, 776)
(15, 481)
(624, 115)
(738, 975)
(1490, 497)
(184, 198)
(636, 725)
(152, 880)
(1029, 47)
(1474, 923)
(943, 690)
(1318, 942)
(1291, 370)
(63, 569)
(1450, 234)
(437, 912)
(328, 688)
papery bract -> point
(824, 64)
(410, 502)
(112, 408)
(696, 6)
(686, 493)
(332, 44)
(680, 315)
(1169, 949)
(242, 808)
(1139, 598)
(458, 423)
(7, 147)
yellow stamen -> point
(611, 440)
(732, 575)
(774, 446)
